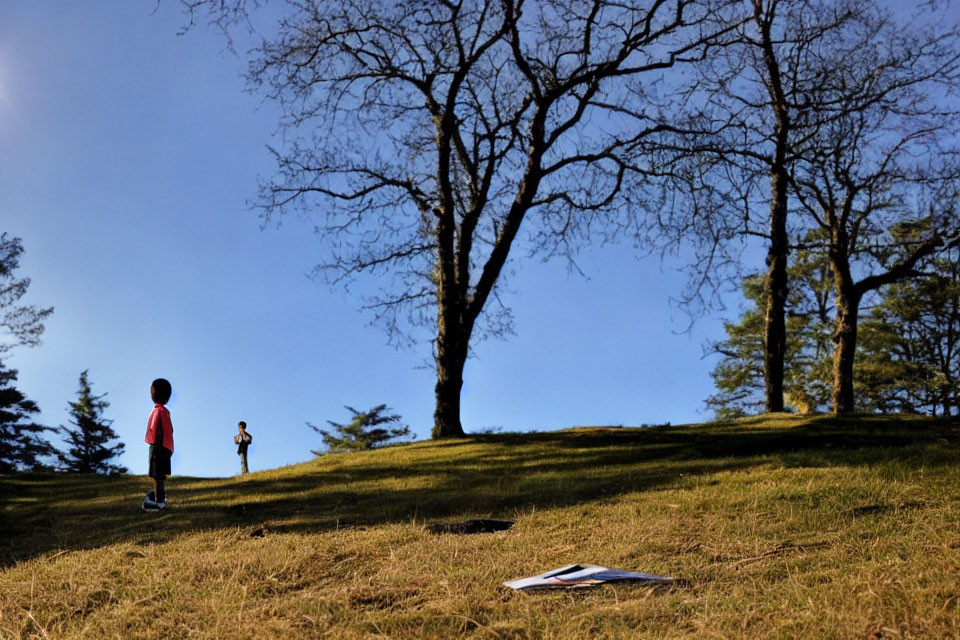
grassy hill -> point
(779, 528)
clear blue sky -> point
(127, 155)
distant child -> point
(243, 440)
(160, 438)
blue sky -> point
(127, 156)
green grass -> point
(779, 527)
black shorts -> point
(159, 462)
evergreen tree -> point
(21, 443)
(365, 431)
(910, 356)
(88, 451)
(739, 376)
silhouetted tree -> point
(425, 135)
(748, 109)
(812, 92)
(21, 324)
(880, 179)
(87, 442)
(366, 430)
(22, 445)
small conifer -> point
(87, 442)
(365, 431)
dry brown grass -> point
(786, 528)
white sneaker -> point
(150, 504)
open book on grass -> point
(584, 575)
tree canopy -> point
(422, 137)
(827, 126)
(22, 444)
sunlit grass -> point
(778, 527)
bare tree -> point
(787, 79)
(881, 178)
(769, 49)
(423, 136)
(749, 109)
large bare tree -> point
(787, 81)
(881, 177)
(749, 109)
(423, 136)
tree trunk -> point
(446, 415)
(776, 284)
(451, 358)
(451, 338)
(777, 289)
(845, 340)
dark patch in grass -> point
(479, 525)
(869, 509)
(874, 509)
(383, 598)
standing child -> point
(160, 438)
(242, 440)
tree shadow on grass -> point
(486, 475)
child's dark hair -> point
(161, 390)
(242, 424)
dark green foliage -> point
(739, 374)
(87, 442)
(367, 430)
(21, 444)
(909, 359)
(908, 350)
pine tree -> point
(908, 353)
(363, 432)
(909, 359)
(87, 442)
(21, 445)
(739, 376)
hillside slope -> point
(785, 527)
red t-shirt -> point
(163, 436)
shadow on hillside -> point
(499, 475)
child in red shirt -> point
(160, 438)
